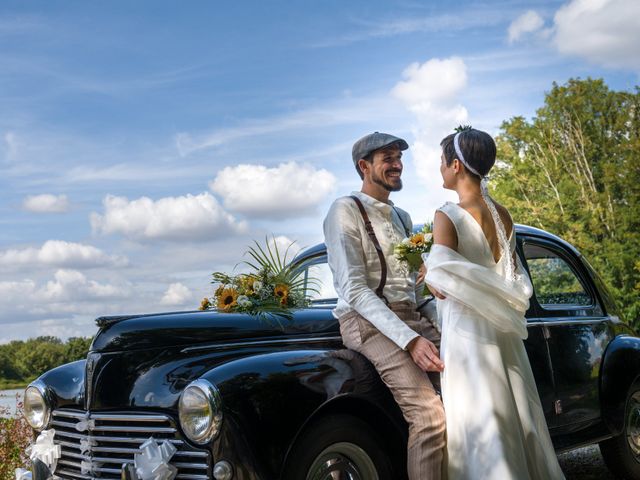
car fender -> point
(268, 399)
(620, 369)
(65, 384)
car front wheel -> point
(622, 453)
(339, 446)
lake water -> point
(8, 400)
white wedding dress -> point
(495, 424)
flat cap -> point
(375, 141)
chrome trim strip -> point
(133, 429)
(195, 466)
(114, 439)
(575, 321)
(70, 414)
(117, 471)
(97, 459)
(109, 428)
(278, 341)
(137, 450)
(72, 474)
(120, 461)
(112, 417)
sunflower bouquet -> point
(269, 291)
(410, 250)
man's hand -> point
(421, 274)
(425, 354)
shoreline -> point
(13, 385)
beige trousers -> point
(410, 386)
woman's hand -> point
(435, 293)
(422, 272)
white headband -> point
(456, 145)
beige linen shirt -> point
(355, 265)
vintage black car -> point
(242, 399)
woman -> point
(495, 424)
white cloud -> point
(176, 294)
(72, 285)
(285, 245)
(605, 32)
(288, 190)
(59, 253)
(461, 19)
(68, 291)
(190, 217)
(435, 81)
(431, 92)
(46, 203)
(526, 23)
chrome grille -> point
(97, 448)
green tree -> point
(77, 348)
(574, 170)
(41, 356)
(8, 369)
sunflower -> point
(417, 240)
(227, 299)
(205, 304)
(282, 292)
(246, 283)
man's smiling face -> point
(386, 168)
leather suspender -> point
(372, 235)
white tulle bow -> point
(152, 463)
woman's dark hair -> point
(477, 147)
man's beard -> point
(387, 186)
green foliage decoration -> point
(270, 291)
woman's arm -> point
(444, 233)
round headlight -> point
(36, 407)
(200, 412)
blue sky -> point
(144, 145)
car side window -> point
(318, 283)
(555, 282)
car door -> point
(538, 353)
(574, 326)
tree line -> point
(574, 170)
(23, 361)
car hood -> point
(146, 361)
(183, 329)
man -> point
(376, 297)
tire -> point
(339, 446)
(622, 453)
